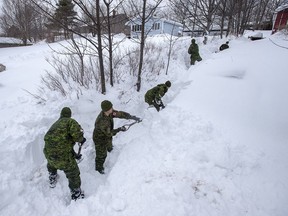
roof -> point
(10, 40)
(171, 22)
(155, 18)
(282, 7)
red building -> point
(280, 19)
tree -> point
(99, 47)
(19, 19)
(222, 13)
(64, 17)
(144, 12)
(197, 13)
(89, 19)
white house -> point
(154, 26)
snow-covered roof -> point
(154, 18)
(282, 7)
(171, 22)
(10, 40)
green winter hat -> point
(65, 112)
(106, 105)
(193, 40)
(168, 84)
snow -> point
(10, 40)
(218, 148)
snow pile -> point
(218, 148)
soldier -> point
(224, 46)
(154, 95)
(194, 52)
(104, 131)
(59, 152)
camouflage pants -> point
(70, 168)
(151, 101)
(101, 153)
(194, 59)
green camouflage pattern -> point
(155, 93)
(58, 149)
(223, 47)
(194, 53)
(70, 169)
(103, 133)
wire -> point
(278, 44)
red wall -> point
(281, 20)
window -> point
(136, 28)
(156, 26)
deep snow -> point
(218, 148)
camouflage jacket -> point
(104, 125)
(193, 50)
(223, 47)
(61, 137)
(156, 93)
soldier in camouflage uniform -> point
(104, 131)
(59, 152)
(224, 46)
(154, 95)
(194, 52)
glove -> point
(158, 101)
(78, 157)
(123, 128)
(136, 118)
(109, 149)
(83, 141)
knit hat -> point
(193, 40)
(168, 83)
(106, 105)
(65, 112)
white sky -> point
(218, 148)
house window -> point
(136, 28)
(156, 26)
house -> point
(154, 26)
(280, 18)
(117, 25)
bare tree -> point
(110, 42)
(259, 13)
(142, 10)
(92, 21)
(223, 15)
(197, 13)
(20, 19)
(172, 42)
(99, 47)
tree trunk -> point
(110, 48)
(142, 45)
(99, 48)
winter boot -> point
(100, 170)
(77, 194)
(53, 179)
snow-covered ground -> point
(218, 148)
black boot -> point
(77, 194)
(101, 171)
(53, 179)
